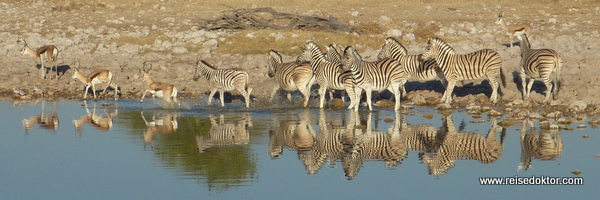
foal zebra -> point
(379, 75)
(225, 80)
(457, 67)
(290, 76)
(329, 75)
(538, 63)
(415, 69)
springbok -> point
(48, 121)
(96, 77)
(162, 90)
(100, 122)
(161, 125)
(513, 30)
(50, 52)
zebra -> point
(332, 54)
(449, 145)
(225, 80)
(415, 69)
(225, 132)
(378, 76)
(328, 75)
(290, 76)
(538, 144)
(369, 144)
(457, 67)
(538, 63)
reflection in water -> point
(48, 121)
(539, 144)
(102, 122)
(225, 133)
(444, 148)
(159, 125)
(352, 143)
(370, 144)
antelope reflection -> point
(102, 122)
(448, 145)
(225, 132)
(539, 144)
(159, 125)
(48, 121)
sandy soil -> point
(92, 34)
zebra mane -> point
(440, 44)
(396, 45)
(525, 42)
(208, 65)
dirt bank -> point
(97, 35)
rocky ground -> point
(96, 35)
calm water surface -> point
(128, 150)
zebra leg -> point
(210, 96)
(495, 86)
(322, 91)
(368, 91)
(548, 90)
(447, 97)
(356, 102)
(529, 86)
(222, 97)
(396, 91)
(343, 96)
(273, 93)
(246, 95)
(523, 85)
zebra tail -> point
(503, 78)
(557, 74)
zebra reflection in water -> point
(443, 149)
(225, 132)
(539, 144)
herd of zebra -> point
(348, 72)
(354, 140)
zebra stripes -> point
(538, 144)
(225, 80)
(415, 68)
(441, 155)
(290, 76)
(539, 64)
(225, 132)
(457, 67)
(329, 75)
(374, 76)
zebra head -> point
(333, 55)
(304, 56)
(272, 61)
(391, 49)
(350, 59)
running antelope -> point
(96, 77)
(513, 30)
(50, 52)
(162, 90)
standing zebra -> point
(290, 76)
(378, 76)
(225, 80)
(415, 69)
(328, 75)
(457, 67)
(538, 63)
